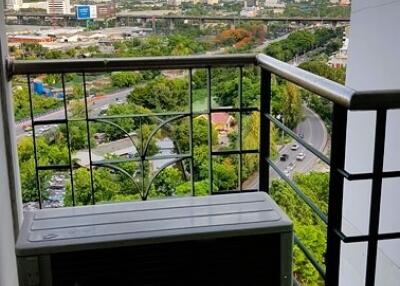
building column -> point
(10, 197)
(373, 64)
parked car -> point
(284, 157)
(295, 147)
(300, 156)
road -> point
(100, 102)
(315, 133)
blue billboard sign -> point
(83, 12)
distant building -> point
(250, 8)
(339, 60)
(345, 2)
(58, 7)
(35, 5)
(30, 39)
(250, 4)
(174, 2)
(207, 2)
(222, 121)
(13, 4)
(275, 6)
(106, 10)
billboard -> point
(85, 12)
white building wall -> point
(10, 197)
(58, 6)
(373, 64)
(13, 4)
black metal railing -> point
(344, 99)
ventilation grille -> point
(245, 261)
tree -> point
(292, 111)
(47, 154)
(52, 79)
(321, 106)
(125, 79)
(28, 181)
(307, 225)
(251, 131)
(77, 91)
(40, 103)
(167, 181)
(161, 94)
(201, 188)
(300, 42)
(105, 187)
(200, 133)
(78, 129)
(144, 136)
(225, 175)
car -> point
(301, 135)
(291, 166)
(286, 172)
(294, 147)
(300, 156)
(284, 157)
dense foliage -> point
(242, 38)
(307, 226)
(41, 104)
(317, 8)
(300, 42)
(320, 105)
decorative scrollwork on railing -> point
(143, 154)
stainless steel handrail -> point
(21, 67)
(332, 91)
(328, 89)
(335, 92)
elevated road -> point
(122, 16)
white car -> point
(300, 156)
(295, 147)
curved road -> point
(94, 109)
(315, 133)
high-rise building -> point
(12, 4)
(58, 6)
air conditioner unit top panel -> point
(125, 224)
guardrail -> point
(343, 98)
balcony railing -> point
(343, 99)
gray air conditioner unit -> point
(236, 239)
